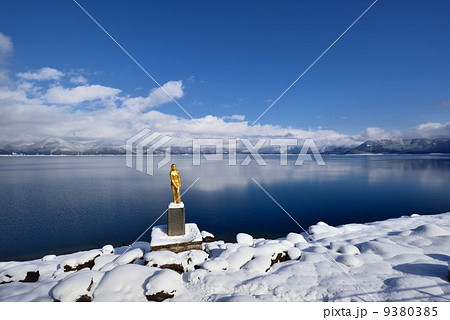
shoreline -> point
(387, 258)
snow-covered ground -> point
(404, 259)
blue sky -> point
(390, 71)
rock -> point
(159, 296)
(80, 261)
(281, 257)
(244, 239)
(207, 237)
(20, 273)
(84, 298)
(175, 267)
(32, 276)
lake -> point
(61, 204)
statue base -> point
(176, 219)
(190, 240)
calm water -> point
(62, 204)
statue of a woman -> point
(175, 183)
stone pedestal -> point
(191, 240)
(176, 220)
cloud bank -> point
(36, 105)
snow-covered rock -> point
(244, 239)
(403, 259)
(294, 253)
(295, 238)
(237, 259)
(217, 264)
(162, 285)
(80, 260)
(21, 272)
(124, 283)
(260, 264)
(163, 257)
(76, 286)
(349, 260)
(108, 249)
(348, 249)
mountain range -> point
(58, 146)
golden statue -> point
(175, 183)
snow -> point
(124, 283)
(74, 286)
(160, 258)
(206, 234)
(166, 281)
(17, 272)
(160, 237)
(295, 238)
(403, 259)
(294, 253)
(108, 249)
(244, 239)
(79, 259)
(49, 257)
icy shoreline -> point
(402, 259)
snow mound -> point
(244, 239)
(163, 284)
(124, 283)
(348, 249)
(387, 250)
(349, 260)
(108, 249)
(193, 258)
(271, 249)
(126, 258)
(430, 230)
(20, 272)
(80, 260)
(217, 264)
(237, 259)
(75, 287)
(206, 234)
(49, 257)
(260, 264)
(295, 238)
(160, 258)
(294, 253)
(322, 230)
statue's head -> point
(173, 166)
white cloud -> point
(374, 133)
(28, 115)
(156, 97)
(60, 95)
(238, 117)
(6, 46)
(42, 74)
(431, 130)
(79, 80)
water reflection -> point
(61, 204)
